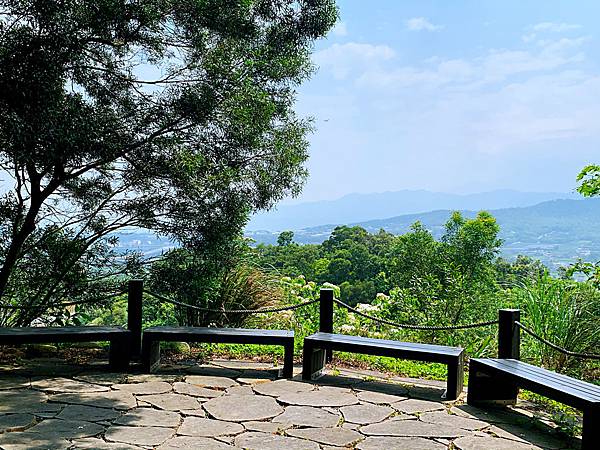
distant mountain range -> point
(355, 208)
(557, 232)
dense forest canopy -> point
(174, 116)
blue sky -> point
(461, 96)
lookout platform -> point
(226, 404)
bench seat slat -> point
(384, 343)
(553, 380)
(204, 333)
(34, 335)
(551, 376)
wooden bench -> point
(119, 338)
(315, 347)
(497, 381)
(153, 336)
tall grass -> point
(566, 313)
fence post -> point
(509, 337)
(135, 294)
(326, 315)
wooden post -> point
(134, 315)
(326, 315)
(509, 337)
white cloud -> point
(492, 104)
(495, 66)
(343, 59)
(421, 24)
(548, 27)
(555, 27)
(340, 29)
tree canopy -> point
(175, 116)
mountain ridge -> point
(358, 207)
(557, 232)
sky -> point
(461, 97)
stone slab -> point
(379, 398)
(144, 436)
(265, 427)
(263, 441)
(399, 443)
(103, 378)
(366, 413)
(194, 443)
(171, 401)
(113, 399)
(32, 441)
(232, 409)
(340, 437)
(411, 428)
(13, 383)
(195, 391)
(382, 387)
(413, 405)
(16, 422)
(193, 412)
(240, 390)
(490, 443)
(87, 413)
(325, 396)
(99, 444)
(282, 387)
(212, 382)
(453, 420)
(66, 385)
(145, 388)
(197, 426)
(148, 417)
(307, 416)
(66, 429)
(23, 401)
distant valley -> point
(354, 208)
(558, 229)
(557, 232)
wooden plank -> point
(36, 335)
(201, 331)
(561, 393)
(541, 375)
(19, 331)
(343, 338)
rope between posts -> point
(62, 305)
(554, 346)
(230, 311)
(415, 327)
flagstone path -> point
(240, 404)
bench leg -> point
(489, 389)
(288, 360)
(454, 382)
(150, 354)
(313, 361)
(591, 429)
(119, 353)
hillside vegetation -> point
(556, 232)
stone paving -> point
(239, 404)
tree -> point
(589, 179)
(285, 238)
(175, 116)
